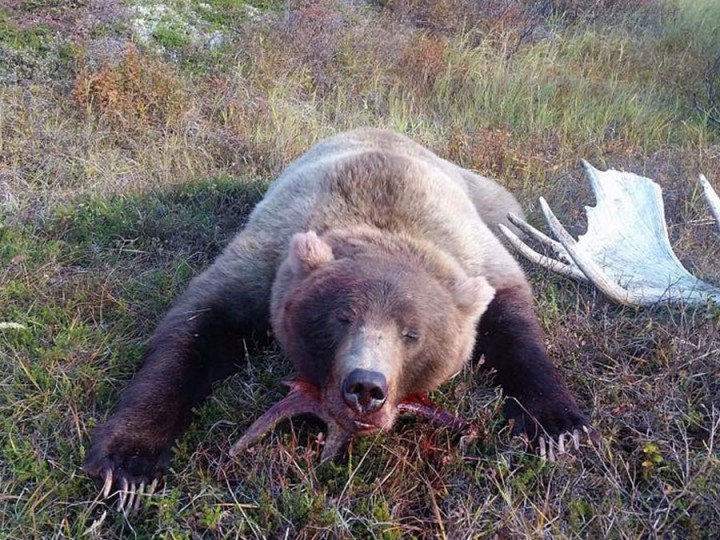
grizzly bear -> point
(374, 263)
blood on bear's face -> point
(371, 329)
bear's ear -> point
(473, 294)
(308, 252)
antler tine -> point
(533, 256)
(590, 268)
(712, 198)
(541, 237)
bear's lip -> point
(365, 427)
(364, 424)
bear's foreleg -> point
(199, 341)
(538, 402)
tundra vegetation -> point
(135, 137)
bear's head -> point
(369, 324)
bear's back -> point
(381, 179)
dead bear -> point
(375, 264)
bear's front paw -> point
(550, 425)
(125, 467)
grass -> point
(125, 167)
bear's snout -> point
(365, 391)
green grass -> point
(698, 19)
(19, 38)
(171, 37)
(112, 199)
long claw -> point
(551, 450)
(108, 483)
(138, 496)
(122, 495)
(131, 498)
(576, 439)
(541, 444)
(151, 488)
(561, 444)
(593, 436)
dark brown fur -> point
(511, 341)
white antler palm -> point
(625, 252)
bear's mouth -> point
(364, 427)
(305, 398)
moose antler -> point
(712, 199)
(625, 252)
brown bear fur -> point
(368, 251)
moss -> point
(172, 36)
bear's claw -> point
(550, 449)
(122, 482)
(108, 475)
(129, 494)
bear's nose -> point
(365, 391)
